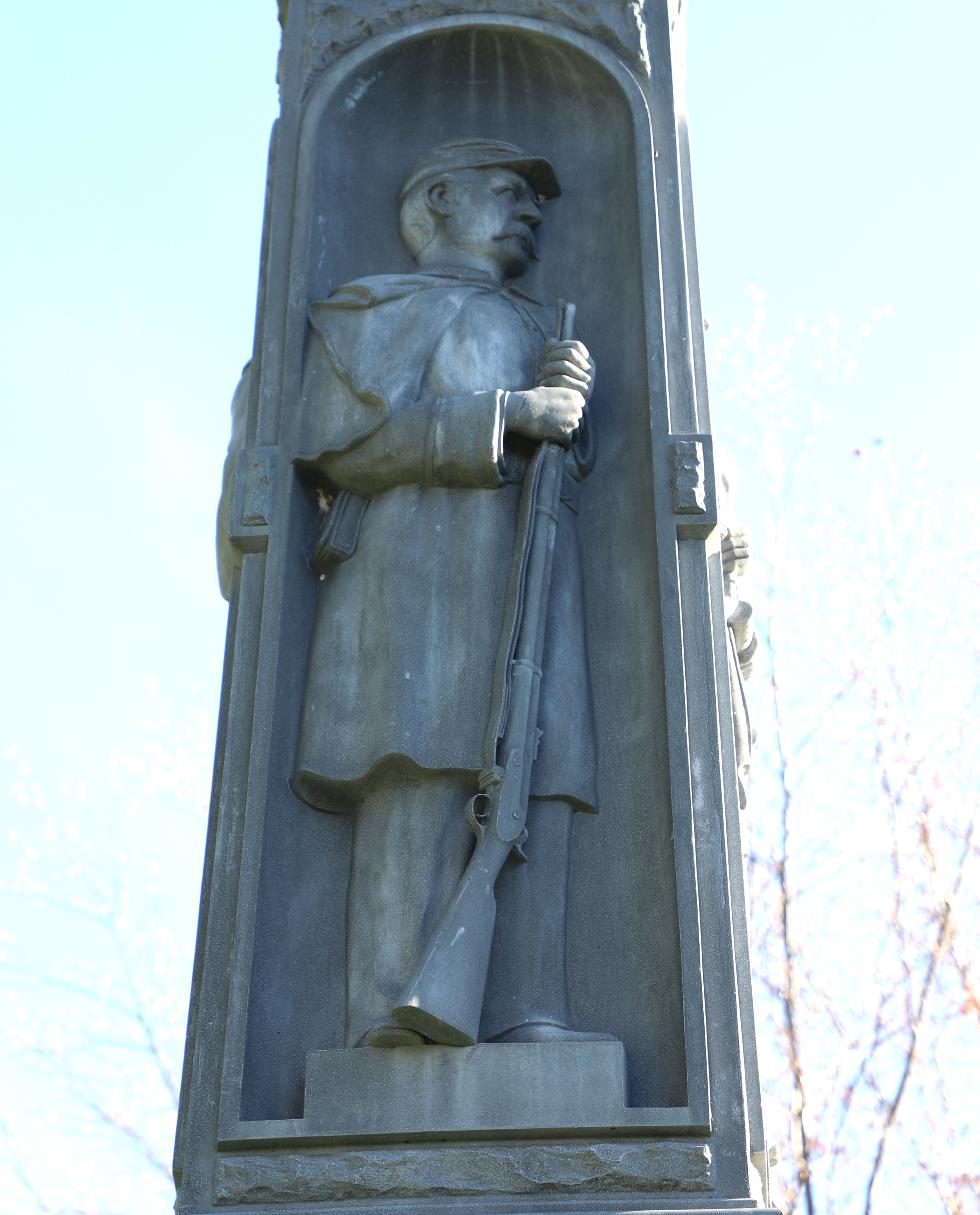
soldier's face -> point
(494, 214)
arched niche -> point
(366, 122)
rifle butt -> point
(444, 997)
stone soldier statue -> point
(742, 639)
(424, 397)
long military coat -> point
(403, 403)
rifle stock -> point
(444, 998)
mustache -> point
(526, 237)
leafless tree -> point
(99, 894)
(863, 858)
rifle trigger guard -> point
(477, 814)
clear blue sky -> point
(835, 167)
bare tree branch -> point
(789, 996)
(935, 955)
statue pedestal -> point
(444, 1090)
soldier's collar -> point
(480, 278)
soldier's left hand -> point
(567, 364)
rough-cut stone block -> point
(463, 1171)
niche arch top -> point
(528, 83)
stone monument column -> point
(472, 933)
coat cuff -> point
(744, 636)
(465, 445)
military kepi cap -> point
(486, 154)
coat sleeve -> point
(368, 440)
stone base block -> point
(492, 1087)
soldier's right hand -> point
(735, 551)
(545, 413)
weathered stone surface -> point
(529, 1085)
(649, 886)
(594, 1168)
(335, 27)
(465, 383)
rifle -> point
(444, 996)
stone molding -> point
(335, 26)
(462, 1171)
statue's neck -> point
(438, 259)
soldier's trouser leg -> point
(528, 980)
(411, 843)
